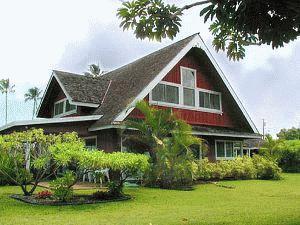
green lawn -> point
(251, 202)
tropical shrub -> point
(239, 168)
(168, 141)
(114, 189)
(285, 152)
(267, 169)
(7, 164)
(62, 186)
(32, 158)
(122, 163)
(289, 156)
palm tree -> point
(6, 88)
(33, 94)
(94, 71)
(158, 126)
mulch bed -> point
(76, 200)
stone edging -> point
(30, 200)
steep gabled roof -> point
(116, 92)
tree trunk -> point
(6, 108)
(34, 105)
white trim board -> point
(197, 41)
(51, 120)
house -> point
(183, 76)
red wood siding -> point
(203, 81)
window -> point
(237, 149)
(209, 100)
(63, 107)
(59, 108)
(186, 95)
(91, 143)
(228, 149)
(188, 77)
(166, 93)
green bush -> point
(267, 169)
(62, 186)
(289, 156)
(114, 189)
(238, 168)
(6, 170)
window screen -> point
(69, 107)
(209, 100)
(220, 149)
(188, 96)
(188, 78)
(166, 93)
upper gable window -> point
(63, 107)
(188, 77)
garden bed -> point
(76, 200)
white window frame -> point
(196, 89)
(92, 137)
(225, 157)
(64, 109)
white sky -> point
(38, 36)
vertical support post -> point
(27, 156)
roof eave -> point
(50, 121)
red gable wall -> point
(203, 81)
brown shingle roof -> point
(83, 88)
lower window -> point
(91, 143)
(228, 149)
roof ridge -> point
(158, 50)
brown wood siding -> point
(108, 140)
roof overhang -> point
(50, 121)
(198, 42)
(200, 133)
(224, 134)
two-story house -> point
(183, 76)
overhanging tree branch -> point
(179, 12)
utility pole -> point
(264, 125)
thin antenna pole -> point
(264, 125)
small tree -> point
(289, 134)
(33, 94)
(6, 87)
(168, 140)
(270, 146)
(94, 71)
(33, 158)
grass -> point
(250, 202)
